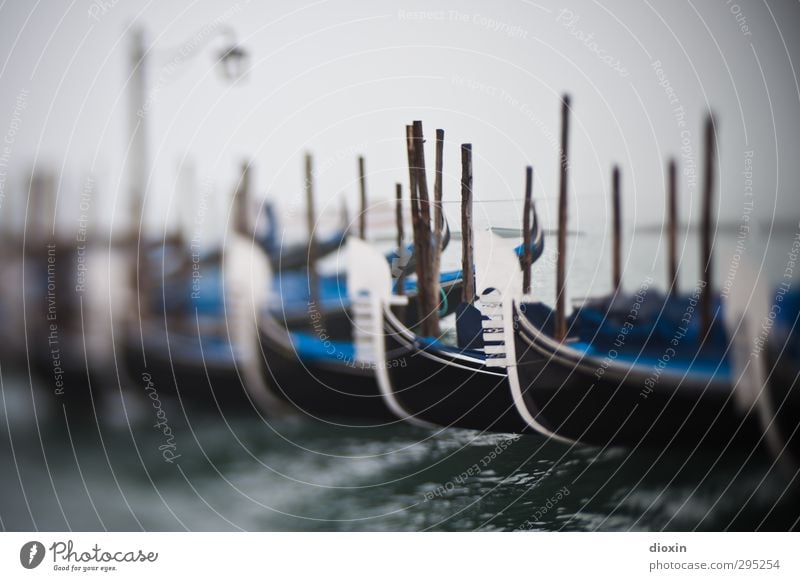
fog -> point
(341, 78)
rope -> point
(445, 305)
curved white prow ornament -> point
(369, 286)
(499, 279)
(498, 282)
(496, 265)
(745, 312)
(246, 280)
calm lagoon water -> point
(243, 472)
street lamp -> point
(233, 62)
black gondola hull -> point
(192, 380)
(320, 388)
(583, 399)
(448, 389)
(784, 390)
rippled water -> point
(246, 472)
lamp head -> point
(234, 62)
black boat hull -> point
(319, 388)
(584, 399)
(158, 368)
(444, 388)
(784, 383)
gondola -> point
(648, 369)
(325, 376)
(695, 394)
(428, 382)
(197, 340)
(179, 346)
(310, 360)
(188, 348)
(320, 376)
(664, 386)
(317, 369)
(423, 379)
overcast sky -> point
(339, 78)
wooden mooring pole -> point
(362, 184)
(561, 270)
(313, 278)
(526, 231)
(402, 259)
(672, 228)
(425, 275)
(438, 230)
(707, 226)
(468, 273)
(241, 202)
(616, 246)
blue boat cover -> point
(648, 329)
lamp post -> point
(232, 60)
(233, 64)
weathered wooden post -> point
(438, 230)
(527, 259)
(707, 225)
(425, 276)
(402, 253)
(362, 183)
(672, 228)
(313, 278)
(561, 272)
(241, 202)
(401, 246)
(468, 271)
(416, 226)
(616, 246)
(412, 188)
